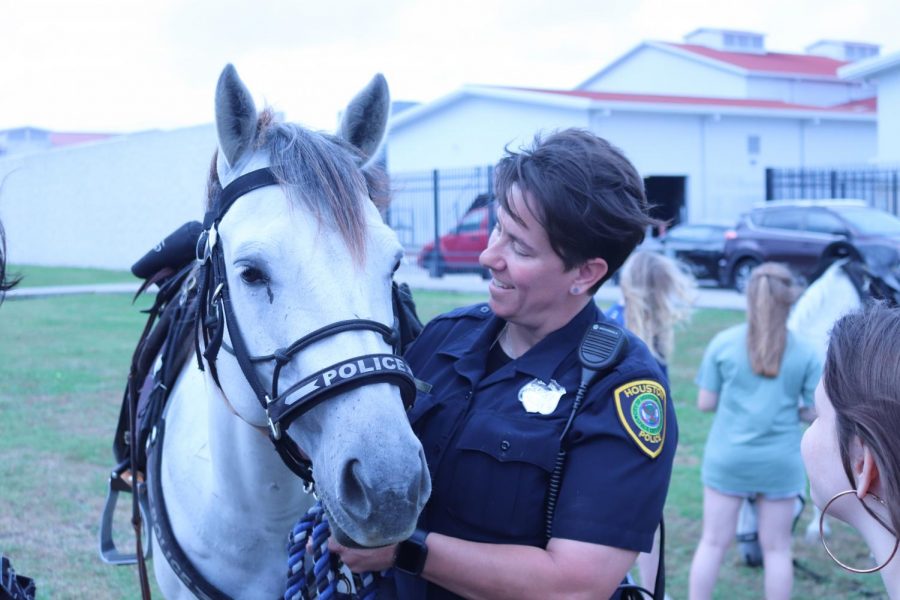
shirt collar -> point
(541, 361)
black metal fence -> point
(428, 204)
(877, 186)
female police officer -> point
(502, 379)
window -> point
(752, 144)
(872, 222)
(471, 222)
(782, 219)
(819, 221)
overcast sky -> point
(124, 65)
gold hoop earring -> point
(824, 545)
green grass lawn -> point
(34, 276)
(63, 362)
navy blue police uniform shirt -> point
(490, 459)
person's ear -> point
(865, 470)
(589, 273)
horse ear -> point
(235, 116)
(365, 119)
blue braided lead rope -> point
(320, 579)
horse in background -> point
(295, 317)
(7, 282)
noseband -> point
(282, 409)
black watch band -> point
(411, 553)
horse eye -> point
(253, 276)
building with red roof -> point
(25, 140)
(701, 119)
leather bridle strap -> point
(242, 185)
(339, 378)
(217, 312)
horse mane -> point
(322, 172)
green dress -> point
(754, 442)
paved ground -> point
(709, 297)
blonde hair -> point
(770, 294)
(658, 295)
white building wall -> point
(105, 204)
(472, 131)
(652, 71)
(889, 116)
(805, 91)
(659, 145)
(723, 157)
(835, 144)
(739, 148)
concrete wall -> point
(652, 71)
(104, 204)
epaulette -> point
(479, 311)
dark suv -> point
(796, 232)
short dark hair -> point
(587, 195)
(863, 383)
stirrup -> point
(108, 551)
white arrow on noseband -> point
(303, 392)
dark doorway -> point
(666, 197)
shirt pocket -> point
(500, 476)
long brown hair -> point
(770, 295)
(658, 296)
(862, 381)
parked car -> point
(796, 232)
(698, 246)
(458, 250)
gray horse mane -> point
(322, 172)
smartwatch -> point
(411, 553)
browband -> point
(242, 185)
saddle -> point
(163, 348)
(166, 343)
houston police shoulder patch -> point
(641, 405)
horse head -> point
(305, 314)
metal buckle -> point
(205, 243)
(274, 427)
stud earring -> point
(575, 290)
(822, 535)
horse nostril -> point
(353, 491)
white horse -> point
(299, 255)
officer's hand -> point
(360, 560)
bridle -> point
(285, 406)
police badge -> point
(540, 397)
(641, 406)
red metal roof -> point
(859, 106)
(70, 139)
(769, 62)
